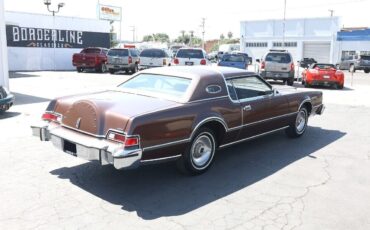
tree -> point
(222, 37)
(230, 35)
(158, 37)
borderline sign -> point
(110, 13)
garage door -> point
(320, 51)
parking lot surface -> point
(319, 181)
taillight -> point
(121, 138)
(176, 61)
(314, 71)
(97, 60)
(48, 116)
(263, 65)
(129, 60)
(164, 62)
(203, 62)
(292, 67)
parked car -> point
(212, 56)
(307, 62)
(190, 57)
(91, 58)
(356, 62)
(6, 99)
(247, 57)
(174, 113)
(234, 60)
(278, 65)
(126, 59)
(323, 74)
(154, 58)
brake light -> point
(314, 71)
(96, 60)
(203, 62)
(51, 117)
(121, 138)
(292, 67)
(263, 65)
(164, 62)
(176, 61)
(129, 60)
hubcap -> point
(201, 150)
(300, 122)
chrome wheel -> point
(201, 150)
(301, 120)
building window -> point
(256, 44)
(286, 44)
(364, 52)
(348, 54)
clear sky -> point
(170, 16)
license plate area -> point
(189, 63)
(326, 76)
(70, 148)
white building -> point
(31, 39)
(310, 37)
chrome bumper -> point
(320, 109)
(88, 147)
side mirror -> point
(258, 60)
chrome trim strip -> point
(219, 89)
(271, 118)
(252, 137)
(207, 99)
(81, 131)
(206, 120)
(161, 159)
(304, 101)
(166, 144)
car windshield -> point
(363, 57)
(118, 52)
(168, 87)
(189, 53)
(90, 51)
(156, 53)
(324, 66)
(278, 57)
(233, 58)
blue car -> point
(234, 60)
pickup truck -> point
(91, 58)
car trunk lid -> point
(96, 113)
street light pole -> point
(60, 5)
(283, 45)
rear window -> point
(157, 85)
(278, 58)
(118, 52)
(233, 58)
(363, 57)
(189, 53)
(156, 53)
(90, 51)
(324, 66)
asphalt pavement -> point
(319, 181)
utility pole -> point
(203, 30)
(331, 13)
(283, 45)
(133, 33)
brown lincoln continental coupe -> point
(182, 113)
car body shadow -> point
(156, 191)
(8, 114)
(23, 99)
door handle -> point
(247, 108)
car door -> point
(263, 109)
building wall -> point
(4, 77)
(297, 32)
(35, 55)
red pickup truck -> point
(91, 58)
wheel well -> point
(308, 106)
(217, 128)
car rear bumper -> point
(88, 147)
(119, 66)
(276, 75)
(7, 102)
(362, 67)
(324, 83)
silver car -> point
(123, 59)
(278, 65)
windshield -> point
(168, 87)
(363, 57)
(324, 66)
(189, 53)
(90, 51)
(118, 52)
(278, 57)
(157, 53)
(233, 58)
